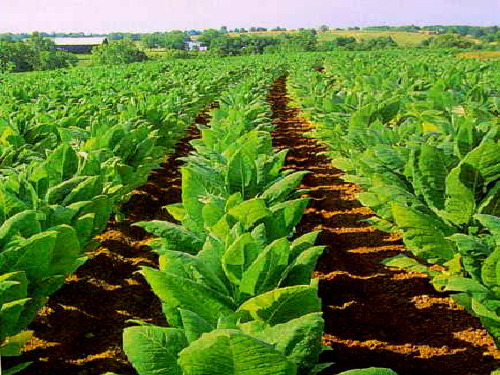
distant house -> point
(195, 46)
(79, 45)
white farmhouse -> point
(194, 45)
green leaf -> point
(403, 261)
(25, 223)
(492, 223)
(58, 193)
(281, 189)
(239, 256)
(194, 325)
(267, 269)
(176, 210)
(490, 271)
(285, 216)
(13, 345)
(281, 305)
(303, 243)
(461, 186)
(242, 175)
(299, 339)
(154, 350)
(16, 369)
(177, 292)
(250, 211)
(230, 352)
(433, 174)
(369, 371)
(176, 236)
(300, 272)
(423, 234)
(86, 190)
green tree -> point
(208, 36)
(118, 52)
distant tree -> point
(7, 37)
(323, 28)
(174, 40)
(208, 36)
(223, 30)
(253, 29)
(36, 53)
(447, 41)
(117, 52)
(116, 36)
(152, 40)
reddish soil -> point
(375, 316)
(79, 331)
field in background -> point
(403, 38)
(480, 55)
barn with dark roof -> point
(79, 45)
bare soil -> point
(79, 331)
(375, 316)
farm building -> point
(79, 45)
(195, 46)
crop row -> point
(421, 135)
(69, 157)
(236, 290)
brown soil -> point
(79, 331)
(375, 316)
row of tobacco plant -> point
(420, 134)
(236, 290)
(72, 145)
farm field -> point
(173, 216)
(402, 38)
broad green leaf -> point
(303, 243)
(25, 223)
(250, 211)
(281, 305)
(423, 234)
(369, 371)
(176, 210)
(461, 186)
(154, 350)
(302, 268)
(230, 352)
(16, 369)
(433, 174)
(299, 339)
(13, 345)
(239, 256)
(490, 271)
(281, 189)
(58, 193)
(177, 237)
(267, 269)
(191, 267)
(492, 223)
(241, 175)
(194, 325)
(285, 216)
(175, 292)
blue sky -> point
(159, 15)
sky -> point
(163, 15)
